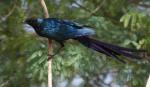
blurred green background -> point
(23, 54)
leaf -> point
(133, 21)
(126, 19)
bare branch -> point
(4, 84)
(44, 8)
(9, 13)
(50, 50)
(148, 82)
(93, 12)
(82, 7)
(97, 8)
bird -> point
(61, 30)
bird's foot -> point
(50, 56)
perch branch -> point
(44, 8)
(50, 50)
(148, 82)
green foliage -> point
(24, 55)
(136, 20)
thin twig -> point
(50, 50)
(4, 84)
(93, 12)
(9, 13)
(82, 7)
(97, 8)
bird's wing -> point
(69, 23)
(69, 29)
(81, 30)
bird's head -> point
(30, 21)
(34, 22)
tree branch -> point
(50, 50)
(97, 8)
(82, 7)
(9, 13)
(44, 8)
(5, 84)
(93, 12)
(148, 82)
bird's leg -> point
(51, 56)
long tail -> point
(109, 49)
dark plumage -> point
(61, 30)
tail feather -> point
(108, 53)
(121, 51)
(117, 47)
(109, 49)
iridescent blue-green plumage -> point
(61, 30)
